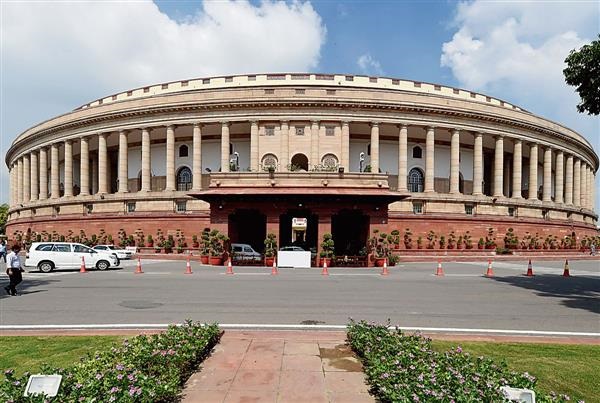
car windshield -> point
(111, 247)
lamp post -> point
(361, 161)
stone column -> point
(577, 182)
(559, 178)
(314, 144)
(34, 176)
(517, 169)
(254, 146)
(455, 162)
(146, 161)
(197, 158)
(375, 147)
(84, 167)
(593, 189)
(170, 168)
(547, 188)
(583, 186)
(499, 167)
(43, 173)
(403, 159)
(54, 175)
(284, 159)
(225, 147)
(102, 164)
(20, 181)
(569, 180)
(94, 174)
(123, 163)
(26, 179)
(346, 145)
(478, 165)
(12, 180)
(533, 167)
(430, 160)
(68, 168)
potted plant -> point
(270, 249)
(396, 238)
(407, 239)
(459, 243)
(490, 239)
(150, 241)
(217, 247)
(379, 244)
(451, 240)
(467, 240)
(480, 244)
(195, 243)
(442, 242)
(510, 239)
(327, 249)
(431, 240)
(205, 252)
(537, 241)
(420, 242)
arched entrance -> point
(300, 162)
(249, 227)
(350, 229)
(184, 178)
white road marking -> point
(300, 327)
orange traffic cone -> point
(439, 271)
(529, 269)
(229, 267)
(490, 271)
(566, 271)
(188, 266)
(82, 269)
(138, 269)
(274, 269)
(325, 272)
(384, 271)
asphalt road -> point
(410, 296)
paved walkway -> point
(279, 367)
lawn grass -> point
(28, 353)
(569, 369)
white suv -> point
(47, 256)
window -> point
(418, 207)
(183, 151)
(251, 78)
(61, 248)
(417, 152)
(416, 180)
(56, 210)
(164, 86)
(269, 161)
(330, 92)
(545, 214)
(330, 161)
(184, 179)
(269, 91)
(372, 79)
(131, 207)
(349, 78)
(100, 247)
(228, 79)
(569, 215)
(81, 249)
(369, 149)
(300, 92)
(329, 131)
(512, 211)
(45, 247)
(206, 81)
(89, 208)
(180, 206)
(248, 249)
(299, 131)
(269, 130)
(468, 209)
(237, 248)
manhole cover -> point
(312, 322)
(140, 304)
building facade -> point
(246, 154)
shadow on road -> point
(28, 286)
(581, 292)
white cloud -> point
(516, 51)
(58, 55)
(368, 65)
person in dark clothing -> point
(14, 270)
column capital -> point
(345, 122)
(284, 121)
(518, 141)
(478, 135)
(548, 148)
(430, 128)
(254, 121)
(197, 125)
(68, 141)
(170, 126)
(533, 144)
(457, 131)
(499, 137)
(123, 132)
(374, 124)
(403, 125)
(315, 121)
(225, 123)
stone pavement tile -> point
(302, 386)
(345, 382)
(205, 396)
(251, 396)
(223, 361)
(261, 361)
(344, 364)
(301, 363)
(211, 379)
(300, 348)
(266, 346)
(346, 397)
(251, 379)
(237, 346)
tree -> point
(3, 217)
(583, 72)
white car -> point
(47, 256)
(118, 252)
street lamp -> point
(361, 162)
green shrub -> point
(405, 368)
(147, 368)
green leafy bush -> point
(405, 368)
(147, 368)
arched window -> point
(330, 162)
(299, 162)
(416, 180)
(183, 151)
(184, 179)
(417, 152)
(269, 161)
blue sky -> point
(57, 56)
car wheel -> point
(102, 265)
(46, 266)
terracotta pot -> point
(397, 246)
(204, 259)
(379, 261)
(168, 250)
(195, 245)
(269, 261)
(327, 260)
(179, 250)
(156, 250)
(479, 246)
(215, 260)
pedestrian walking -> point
(14, 270)
(3, 250)
(593, 249)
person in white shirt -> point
(14, 270)
(3, 251)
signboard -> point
(295, 259)
(43, 384)
(132, 249)
(518, 395)
(299, 223)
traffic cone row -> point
(229, 267)
(490, 271)
(529, 269)
(188, 266)
(82, 269)
(138, 269)
(384, 271)
(274, 271)
(440, 270)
